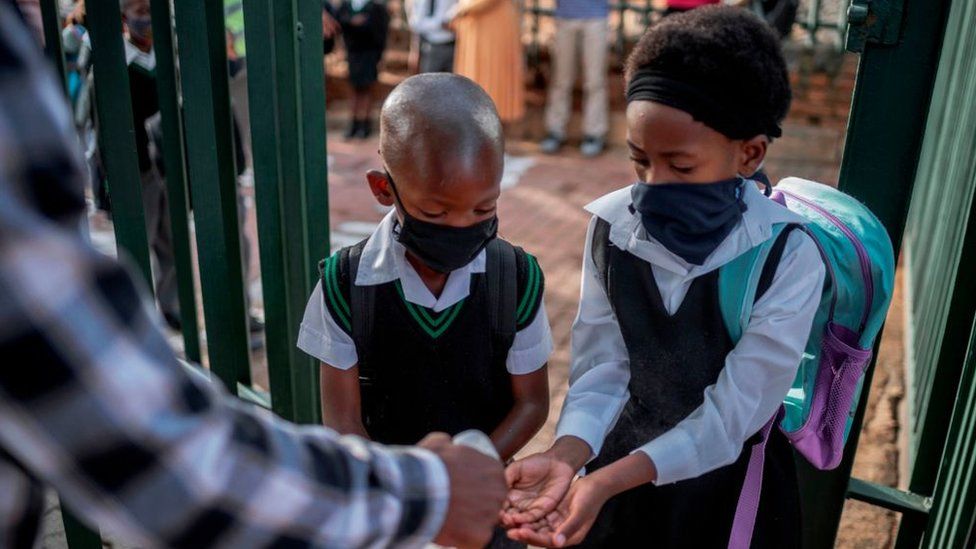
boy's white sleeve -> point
(757, 375)
(600, 368)
(321, 337)
(532, 346)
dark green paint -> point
(116, 134)
(210, 155)
(174, 161)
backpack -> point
(818, 411)
(501, 271)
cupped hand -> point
(570, 522)
(536, 486)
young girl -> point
(661, 402)
(364, 29)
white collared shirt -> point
(429, 23)
(384, 260)
(758, 372)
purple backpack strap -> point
(748, 506)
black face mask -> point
(689, 219)
(441, 247)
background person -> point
(581, 34)
(429, 20)
(94, 404)
(489, 51)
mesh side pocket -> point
(842, 364)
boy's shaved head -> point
(438, 127)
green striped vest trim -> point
(433, 324)
(532, 287)
(330, 287)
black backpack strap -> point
(600, 251)
(501, 274)
(362, 303)
(773, 259)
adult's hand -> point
(477, 493)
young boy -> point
(432, 323)
(659, 394)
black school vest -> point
(428, 371)
(673, 358)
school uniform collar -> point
(627, 232)
(139, 58)
(384, 260)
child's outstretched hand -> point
(572, 519)
(536, 486)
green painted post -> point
(880, 160)
(52, 37)
(172, 124)
(210, 151)
(116, 135)
(951, 523)
(288, 137)
(77, 534)
(316, 183)
(267, 168)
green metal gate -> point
(940, 240)
(899, 41)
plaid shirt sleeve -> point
(94, 403)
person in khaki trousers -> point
(581, 31)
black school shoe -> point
(353, 131)
(365, 129)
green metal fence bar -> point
(951, 523)
(316, 179)
(292, 189)
(174, 161)
(116, 135)
(203, 69)
(264, 146)
(52, 37)
(77, 534)
(880, 159)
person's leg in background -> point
(595, 123)
(559, 107)
(436, 57)
(239, 103)
(160, 235)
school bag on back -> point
(817, 413)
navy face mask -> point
(441, 247)
(140, 27)
(689, 219)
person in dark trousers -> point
(95, 405)
(430, 20)
(662, 406)
(364, 29)
(141, 61)
(433, 323)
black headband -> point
(729, 120)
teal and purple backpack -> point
(817, 413)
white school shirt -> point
(384, 260)
(758, 372)
(429, 23)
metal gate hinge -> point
(874, 21)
